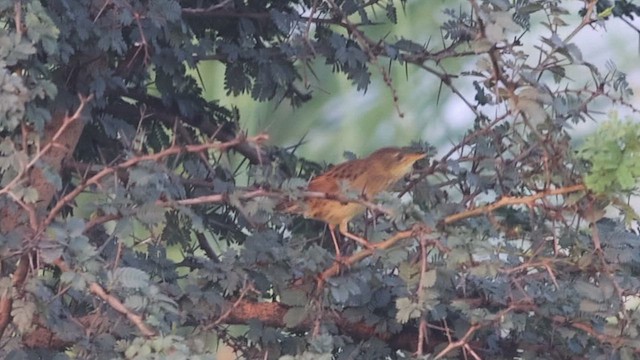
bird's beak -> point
(417, 156)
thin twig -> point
(174, 150)
(509, 201)
(456, 344)
(114, 302)
(422, 288)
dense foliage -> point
(137, 220)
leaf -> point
(429, 278)
(20, 51)
(501, 25)
(613, 154)
(81, 248)
(589, 291)
(39, 116)
(295, 316)
(41, 28)
(322, 343)
(589, 306)
(409, 272)
(74, 279)
(136, 302)
(150, 214)
(30, 195)
(294, 297)
(115, 127)
(283, 21)
(51, 251)
(163, 11)
(236, 80)
(407, 310)
(23, 314)
(485, 269)
(51, 175)
(129, 277)
(75, 227)
(392, 13)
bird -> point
(367, 176)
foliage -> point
(613, 155)
(127, 230)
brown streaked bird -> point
(368, 176)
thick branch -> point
(268, 313)
(60, 138)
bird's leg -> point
(332, 230)
(339, 259)
(344, 230)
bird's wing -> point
(331, 182)
(324, 184)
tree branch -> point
(114, 302)
(508, 201)
(60, 138)
(173, 150)
(221, 132)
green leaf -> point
(74, 279)
(407, 310)
(429, 278)
(614, 156)
(281, 20)
(295, 316)
(23, 314)
(589, 306)
(75, 227)
(41, 28)
(136, 302)
(150, 214)
(294, 297)
(129, 277)
(589, 291)
(30, 195)
(392, 13)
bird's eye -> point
(399, 156)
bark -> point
(14, 219)
(242, 312)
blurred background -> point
(339, 118)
